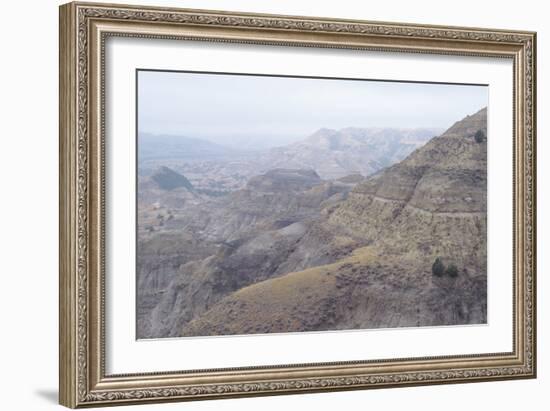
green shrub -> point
(479, 136)
(452, 271)
(438, 268)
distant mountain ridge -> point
(166, 146)
(335, 154)
(332, 154)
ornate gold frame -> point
(83, 30)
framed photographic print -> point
(260, 204)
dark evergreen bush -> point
(479, 136)
(452, 271)
(438, 268)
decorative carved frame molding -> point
(83, 30)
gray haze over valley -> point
(332, 154)
(261, 112)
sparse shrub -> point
(479, 136)
(438, 268)
(452, 271)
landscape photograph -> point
(283, 204)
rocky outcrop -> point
(432, 201)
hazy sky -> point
(265, 111)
